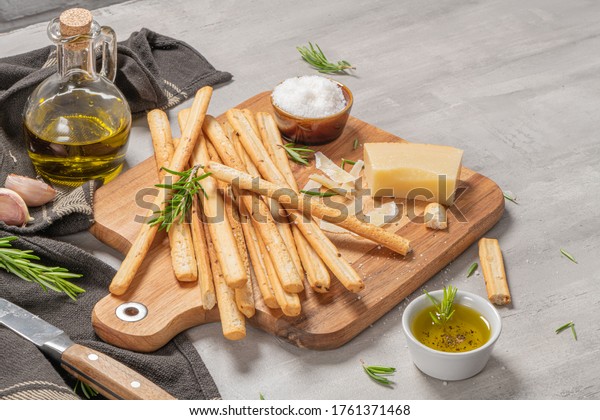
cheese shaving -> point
(312, 185)
(332, 170)
(355, 172)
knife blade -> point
(112, 379)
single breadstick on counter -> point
(217, 225)
(205, 276)
(183, 259)
(139, 249)
(233, 322)
(316, 270)
(435, 216)
(290, 199)
(267, 228)
(492, 266)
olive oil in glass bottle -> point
(77, 122)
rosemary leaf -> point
(569, 256)
(355, 145)
(510, 197)
(443, 309)
(314, 56)
(261, 396)
(86, 389)
(348, 161)
(472, 269)
(20, 263)
(298, 154)
(376, 372)
(568, 325)
(318, 193)
(180, 203)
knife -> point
(110, 378)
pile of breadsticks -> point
(250, 224)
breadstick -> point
(286, 269)
(492, 266)
(250, 117)
(233, 322)
(312, 233)
(316, 271)
(258, 263)
(217, 225)
(271, 138)
(183, 259)
(289, 302)
(162, 138)
(136, 254)
(205, 276)
(299, 202)
(244, 296)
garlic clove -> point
(33, 191)
(13, 209)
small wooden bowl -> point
(313, 131)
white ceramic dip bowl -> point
(444, 365)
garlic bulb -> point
(33, 191)
(13, 210)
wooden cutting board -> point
(327, 320)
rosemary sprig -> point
(472, 269)
(570, 325)
(379, 373)
(314, 56)
(183, 192)
(298, 154)
(444, 309)
(20, 263)
(510, 197)
(355, 145)
(348, 161)
(87, 390)
(569, 256)
(319, 193)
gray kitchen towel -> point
(24, 371)
(154, 71)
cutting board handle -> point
(168, 308)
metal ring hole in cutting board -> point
(131, 312)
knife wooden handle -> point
(110, 378)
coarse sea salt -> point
(309, 97)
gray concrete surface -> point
(16, 14)
(515, 83)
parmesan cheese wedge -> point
(406, 170)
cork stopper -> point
(75, 21)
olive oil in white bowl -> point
(443, 358)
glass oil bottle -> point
(77, 122)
